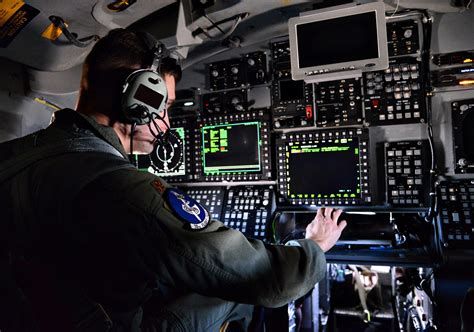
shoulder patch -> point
(158, 185)
(187, 209)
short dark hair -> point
(171, 67)
(115, 56)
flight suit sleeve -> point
(215, 261)
(221, 262)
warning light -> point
(375, 103)
(309, 112)
(468, 60)
(466, 82)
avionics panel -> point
(407, 173)
(456, 200)
(248, 209)
(171, 158)
(338, 103)
(337, 39)
(327, 167)
(292, 101)
(250, 69)
(224, 102)
(403, 37)
(234, 147)
(395, 96)
(462, 112)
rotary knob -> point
(214, 73)
(463, 162)
(235, 100)
(234, 70)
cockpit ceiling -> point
(26, 35)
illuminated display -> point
(231, 148)
(167, 160)
(327, 169)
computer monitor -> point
(324, 170)
(336, 39)
(324, 167)
(232, 148)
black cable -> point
(82, 42)
(213, 24)
(425, 56)
(132, 158)
(161, 136)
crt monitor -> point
(338, 38)
(232, 148)
(323, 169)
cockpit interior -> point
(288, 106)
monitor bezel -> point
(235, 170)
(372, 64)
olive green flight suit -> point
(117, 236)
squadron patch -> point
(187, 208)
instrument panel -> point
(260, 144)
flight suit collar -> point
(104, 132)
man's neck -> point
(105, 120)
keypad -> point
(456, 200)
(248, 209)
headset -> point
(144, 93)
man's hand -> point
(324, 229)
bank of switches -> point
(244, 208)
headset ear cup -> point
(133, 113)
(147, 89)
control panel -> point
(462, 112)
(212, 198)
(403, 37)
(407, 173)
(257, 68)
(338, 103)
(292, 101)
(307, 173)
(394, 96)
(234, 147)
(453, 58)
(226, 75)
(249, 209)
(456, 202)
(250, 69)
(225, 102)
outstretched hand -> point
(324, 229)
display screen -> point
(323, 169)
(148, 96)
(291, 90)
(343, 39)
(168, 157)
(231, 148)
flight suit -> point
(118, 234)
